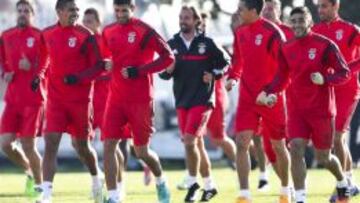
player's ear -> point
(132, 7)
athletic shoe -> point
(163, 193)
(343, 195)
(354, 190)
(284, 199)
(192, 193)
(263, 185)
(29, 186)
(242, 200)
(208, 195)
(183, 185)
(97, 192)
(147, 176)
(110, 201)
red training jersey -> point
(135, 44)
(15, 44)
(73, 50)
(347, 36)
(254, 62)
(298, 59)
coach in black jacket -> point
(199, 62)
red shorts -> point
(121, 116)
(263, 132)
(193, 121)
(320, 130)
(24, 121)
(71, 117)
(249, 116)
(345, 109)
(216, 124)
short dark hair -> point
(25, 2)
(258, 5)
(93, 11)
(60, 4)
(300, 10)
(124, 2)
(278, 2)
(333, 2)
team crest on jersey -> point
(175, 52)
(258, 39)
(312, 53)
(72, 42)
(30, 42)
(131, 37)
(339, 34)
(202, 48)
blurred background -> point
(162, 15)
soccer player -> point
(306, 61)
(133, 45)
(256, 47)
(272, 12)
(347, 37)
(24, 60)
(75, 60)
(198, 63)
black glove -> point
(133, 72)
(35, 83)
(165, 75)
(71, 79)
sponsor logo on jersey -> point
(202, 48)
(259, 39)
(131, 37)
(312, 53)
(30, 42)
(72, 42)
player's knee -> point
(296, 151)
(218, 141)
(242, 144)
(142, 154)
(28, 148)
(6, 145)
(323, 158)
(190, 141)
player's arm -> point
(169, 72)
(6, 73)
(220, 61)
(152, 40)
(281, 79)
(334, 59)
(236, 67)
(43, 63)
(95, 64)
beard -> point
(22, 21)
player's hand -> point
(71, 79)
(35, 83)
(130, 72)
(266, 100)
(108, 64)
(317, 78)
(208, 77)
(171, 68)
(8, 76)
(24, 63)
(230, 84)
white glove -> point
(317, 78)
(266, 100)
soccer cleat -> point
(29, 186)
(97, 192)
(147, 176)
(110, 201)
(263, 185)
(192, 193)
(242, 200)
(354, 190)
(183, 185)
(208, 195)
(343, 195)
(284, 199)
(37, 195)
(163, 193)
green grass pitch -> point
(72, 187)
